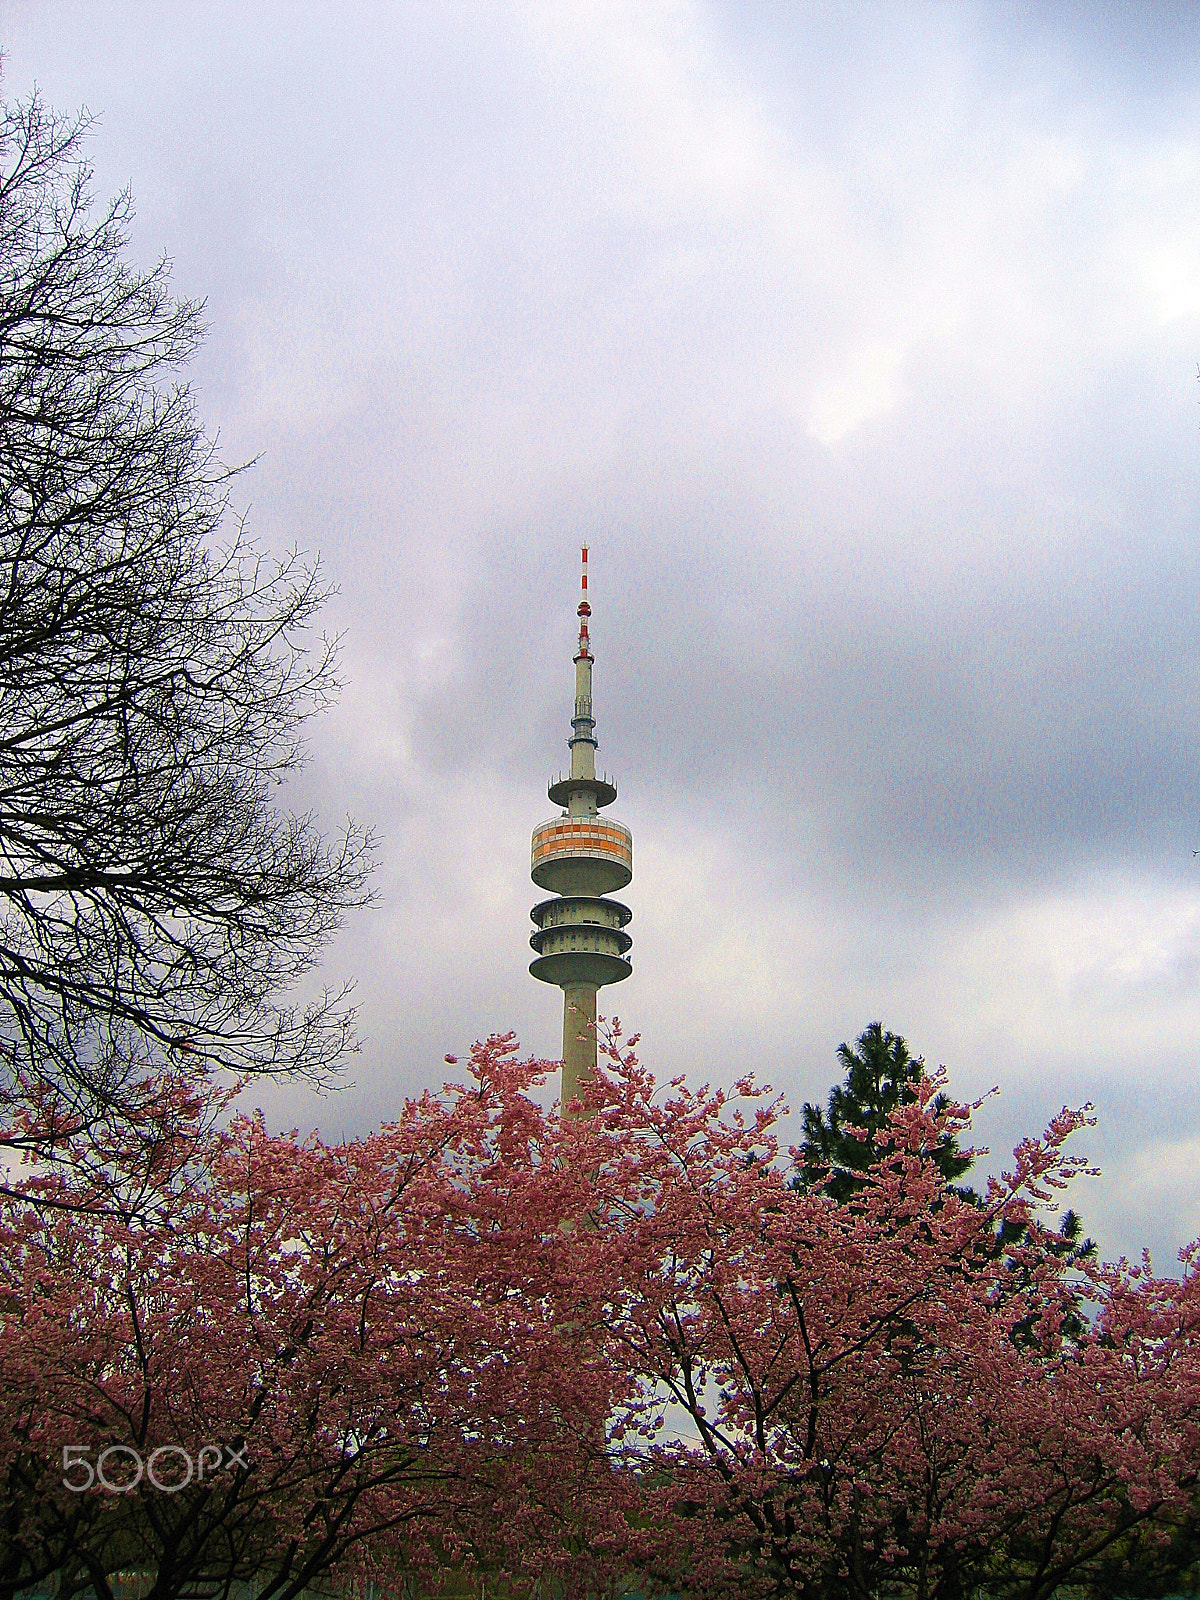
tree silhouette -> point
(155, 677)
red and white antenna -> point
(585, 610)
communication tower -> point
(580, 939)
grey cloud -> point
(861, 346)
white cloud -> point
(1172, 276)
(869, 382)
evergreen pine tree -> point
(881, 1076)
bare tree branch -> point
(156, 672)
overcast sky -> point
(860, 344)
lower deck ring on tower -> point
(581, 966)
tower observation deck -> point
(580, 939)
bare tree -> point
(155, 675)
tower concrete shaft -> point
(580, 939)
(579, 1039)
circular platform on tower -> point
(561, 790)
(565, 967)
(581, 856)
(581, 911)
